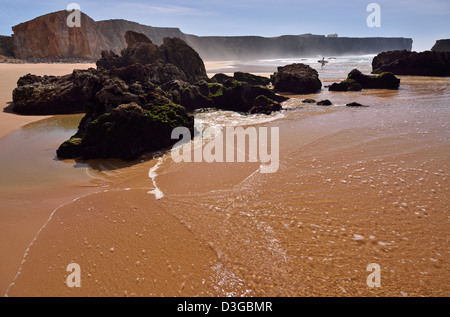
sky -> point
(423, 21)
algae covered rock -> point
(384, 80)
(241, 96)
(251, 79)
(346, 85)
(403, 62)
(265, 105)
(356, 81)
(127, 132)
(297, 79)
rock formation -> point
(355, 105)
(441, 46)
(428, 63)
(325, 102)
(49, 38)
(133, 101)
(297, 79)
(173, 56)
(127, 132)
(356, 81)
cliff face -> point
(442, 45)
(49, 38)
(253, 47)
(6, 46)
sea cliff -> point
(48, 38)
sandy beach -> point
(354, 187)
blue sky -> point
(424, 21)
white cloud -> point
(165, 9)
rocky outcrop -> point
(265, 105)
(441, 46)
(241, 96)
(45, 95)
(356, 81)
(251, 79)
(345, 85)
(297, 79)
(428, 63)
(325, 102)
(127, 132)
(49, 38)
(132, 105)
(220, 78)
(174, 59)
(355, 105)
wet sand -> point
(9, 74)
(22, 214)
(354, 187)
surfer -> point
(323, 61)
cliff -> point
(49, 38)
(6, 46)
(442, 45)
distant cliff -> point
(442, 45)
(49, 38)
(6, 46)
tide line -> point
(152, 175)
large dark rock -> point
(428, 63)
(297, 79)
(346, 85)
(191, 97)
(127, 132)
(251, 79)
(47, 95)
(178, 53)
(220, 78)
(240, 96)
(356, 81)
(384, 80)
(325, 102)
(174, 59)
(264, 105)
(132, 38)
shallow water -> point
(28, 157)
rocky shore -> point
(403, 62)
(133, 101)
(357, 81)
